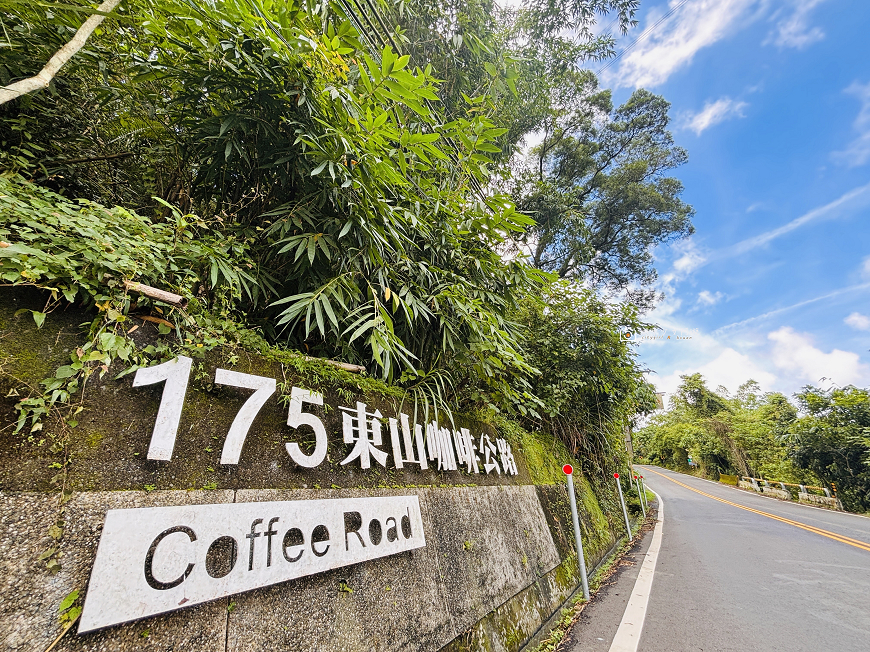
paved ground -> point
(732, 579)
(599, 621)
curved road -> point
(734, 571)
(732, 579)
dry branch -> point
(352, 368)
(156, 320)
(43, 78)
(155, 293)
(179, 301)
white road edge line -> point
(628, 635)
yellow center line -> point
(809, 528)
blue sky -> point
(771, 98)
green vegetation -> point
(832, 441)
(823, 440)
(742, 434)
(68, 610)
(589, 385)
(338, 181)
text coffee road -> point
(158, 559)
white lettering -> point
(157, 559)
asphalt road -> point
(731, 579)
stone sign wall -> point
(233, 502)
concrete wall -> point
(489, 575)
(777, 493)
(808, 498)
(824, 501)
(497, 564)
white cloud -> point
(800, 304)
(690, 258)
(707, 298)
(858, 152)
(729, 369)
(670, 42)
(858, 321)
(713, 113)
(793, 30)
(672, 35)
(532, 140)
(794, 352)
(858, 196)
(783, 360)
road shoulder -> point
(598, 621)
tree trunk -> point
(44, 77)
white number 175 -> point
(176, 373)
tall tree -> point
(590, 386)
(597, 186)
(598, 190)
(371, 237)
(743, 433)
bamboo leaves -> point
(341, 213)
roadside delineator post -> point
(643, 501)
(624, 511)
(639, 495)
(643, 493)
(581, 560)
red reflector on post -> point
(567, 469)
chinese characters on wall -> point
(434, 446)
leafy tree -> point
(598, 191)
(597, 186)
(340, 164)
(329, 158)
(758, 428)
(548, 18)
(833, 441)
(691, 426)
(741, 434)
(515, 57)
(590, 384)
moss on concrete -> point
(543, 454)
(27, 353)
(108, 448)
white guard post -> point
(624, 511)
(639, 494)
(578, 539)
(643, 493)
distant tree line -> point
(823, 438)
